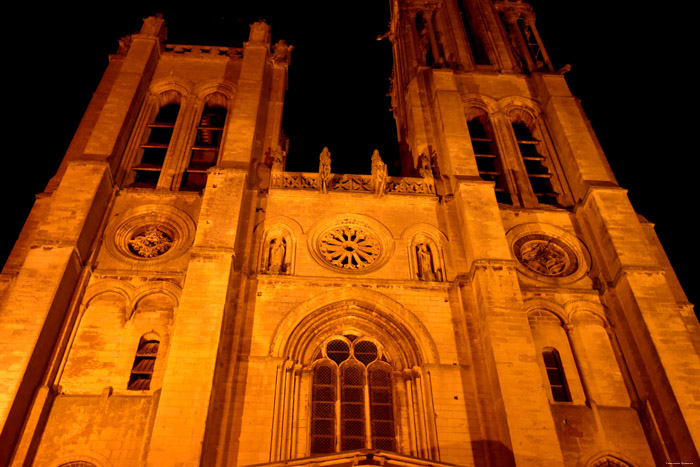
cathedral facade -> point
(177, 298)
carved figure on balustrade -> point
(379, 174)
(424, 168)
(324, 171)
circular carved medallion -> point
(150, 243)
(150, 233)
(545, 255)
(351, 244)
(548, 253)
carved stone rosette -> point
(350, 244)
(548, 253)
(150, 234)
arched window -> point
(144, 362)
(536, 164)
(78, 464)
(204, 152)
(156, 141)
(555, 373)
(352, 380)
(488, 158)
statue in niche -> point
(275, 256)
(424, 168)
(379, 174)
(426, 265)
(324, 171)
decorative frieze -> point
(353, 183)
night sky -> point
(630, 68)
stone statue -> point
(379, 174)
(324, 171)
(276, 256)
(424, 168)
(280, 52)
(426, 270)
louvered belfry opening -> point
(488, 159)
(555, 374)
(144, 362)
(352, 381)
(535, 164)
(204, 153)
(155, 148)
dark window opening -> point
(205, 150)
(352, 409)
(354, 382)
(531, 43)
(323, 410)
(537, 172)
(476, 44)
(488, 159)
(555, 373)
(154, 150)
(142, 370)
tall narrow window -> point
(142, 370)
(488, 159)
(323, 410)
(381, 407)
(155, 148)
(535, 164)
(205, 150)
(357, 367)
(352, 407)
(476, 44)
(555, 373)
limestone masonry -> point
(177, 298)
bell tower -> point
(520, 173)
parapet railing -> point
(353, 183)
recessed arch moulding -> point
(303, 329)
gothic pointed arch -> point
(364, 354)
(294, 336)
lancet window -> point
(204, 152)
(488, 158)
(476, 45)
(536, 164)
(154, 149)
(352, 399)
(555, 374)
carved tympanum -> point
(349, 247)
(150, 243)
(545, 255)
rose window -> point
(349, 247)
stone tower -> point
(177, 298)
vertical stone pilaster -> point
(240, 137)
(45, 285)
(526, 425)
(180, 423)
(457, 155)
(648, 316)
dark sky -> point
(630, 68)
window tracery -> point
(352, 402)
